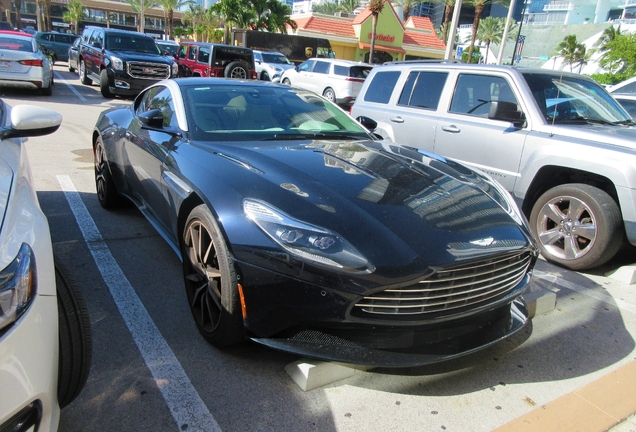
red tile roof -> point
(321, 24)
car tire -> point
(265, 76)
(211, 281)
(286, 81)
(588, 238)
(75, 339)
(236, 70)
(107, 194)
(84, 79)
(70, 68)
(104, 85)
(329, 94)
(47, 91)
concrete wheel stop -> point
(625, 274)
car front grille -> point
(144, 70)
(450, 291)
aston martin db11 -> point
(301, 231)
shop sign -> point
(382, 38)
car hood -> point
(398, 206)
(130, 55)
(617, 135)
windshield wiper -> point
(316, 135)
(593, 121)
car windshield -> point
(567, 99)
(240, 112)
(275, 58)
(125, 42)
(15, 44)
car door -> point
(414, 118)
(465, 133)
(147, 149)
(93, 53)
(304, 75)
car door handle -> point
(397, 119)
(451, 129)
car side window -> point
(306, 66)
(204, 55)
(423, 89)
(183, 49)
(86, 36)
(161, 99)
(381, 87)
(321, 67)
(97, 39)
(192, 54)
(474, 94)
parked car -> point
(122, 62)
(167, 47)
(45, 335)
(624, 87)
(30, 30)
(627, 101)
(23, 63)
(202, 59)
(270, 65)
(56, 42)
(558, 141)
(73, 56)
(339, 81)
(5, 25)
(299, 230)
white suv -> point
(558, 141)
(339, 81)
(270, 65)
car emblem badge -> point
(485, 242)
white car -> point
(45, 338)
(624, 87)
(339, 81)
(270, 65)
(24, 64)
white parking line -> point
(621, 304)
(59, 78)
(185, 404)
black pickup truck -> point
(122, 62)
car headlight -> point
(118, 64)
(307, 242)
(17, 286)
(175, 69)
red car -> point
(202, 59)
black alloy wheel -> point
(107, 194)
(211, 281)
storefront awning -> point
(378, 47)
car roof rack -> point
(422, 61)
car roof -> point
(16, 33)
(617, 87)
(167, 42)
(342, 62)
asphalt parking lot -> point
(152, 371)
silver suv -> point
(270, 65)
(339, 81)
(562, 146)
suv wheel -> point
(84, 79)
(577, 225)
(265, 76)
(286, 81)
(237, 70)
(104, 85)
(329, 94)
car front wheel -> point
(104, 85)
(286, 81)
(211, 281)
(329, 94)
(75, 340)
(578, 226)
(107, 194)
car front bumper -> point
(29, 367)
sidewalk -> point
(609, 403)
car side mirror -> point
(367, 122)
(152, 118)
(506, 111)
(31, 121)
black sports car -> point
(301, 231)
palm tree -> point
(572, 51)
(406, 5)
(479, 9)
(232, 13)
(449, 5)
(279, 17)
(194, 14)
(169, 6)
(376, 7)
(139, 7)
(74, 14)
(327, 8)
(349, 6)
(491, 30)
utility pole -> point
(505, 34)
(453, 30)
